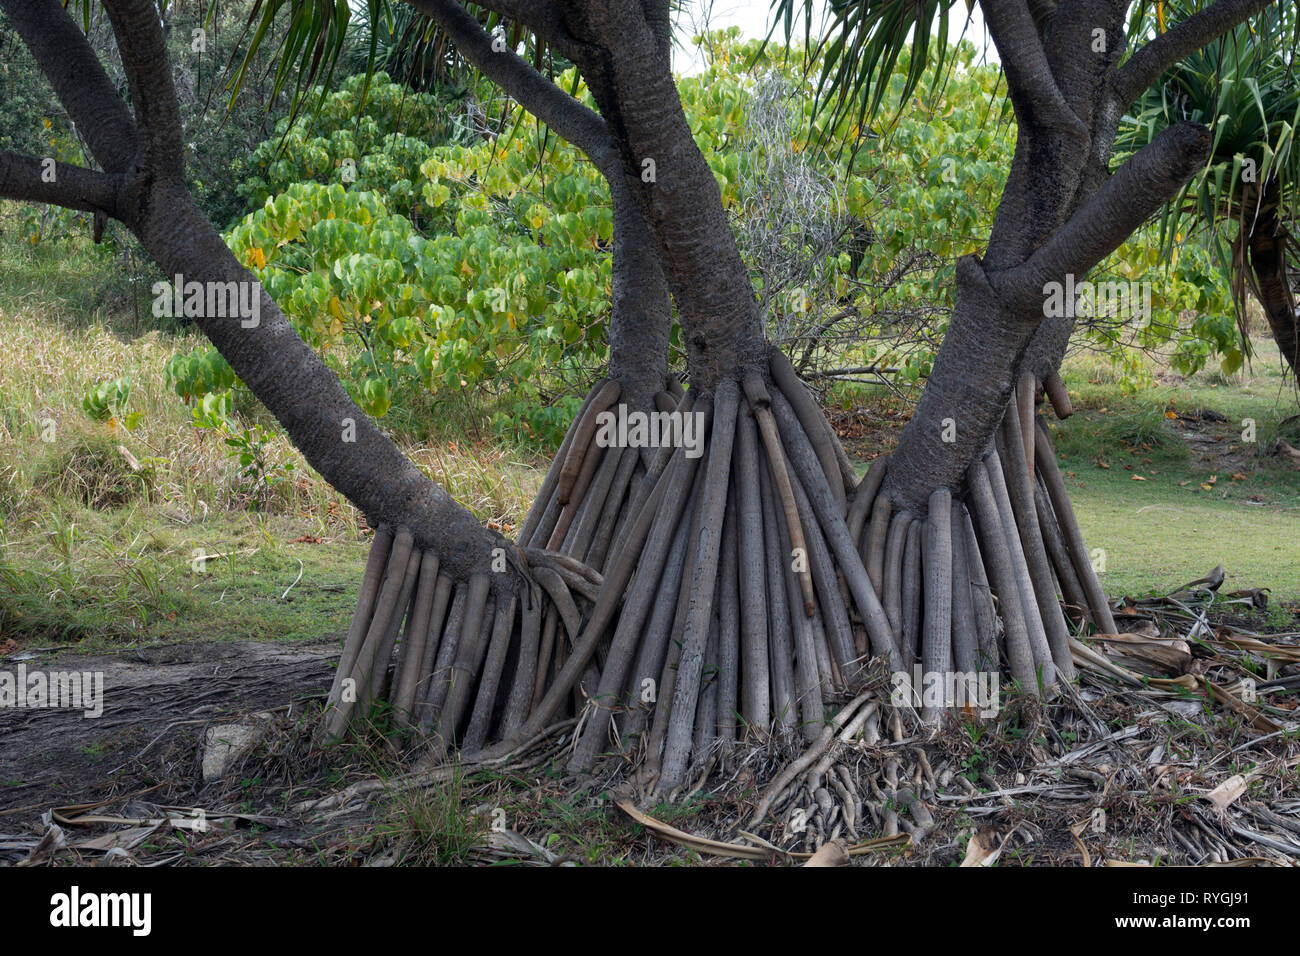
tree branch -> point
(658, 13)
(1135, 192)
(1037, 99)
(144, 56)
(543, 17)
(78, 79)
(24, 178)
(1041, 11)
(1146, 65)
(569, 118)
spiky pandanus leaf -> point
(1244, 88)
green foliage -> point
(378, 144)
(479, 272)
(107, 401)
(1244, 88)
(248, 447)
(201, 372)
(866, 47)
(398, 40)
(503, 303)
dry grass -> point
(47, 366)
(98, 523)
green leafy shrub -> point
(107, 402)
(501, 302)
(378, 144)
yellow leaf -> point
(258, 256)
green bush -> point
(375, 145)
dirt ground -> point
(1119, 770)
(156, 700)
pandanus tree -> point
(1244, 87)
(662, 599)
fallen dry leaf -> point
(980, 851)
(1225, 793)
(834, 853)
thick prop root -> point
(665, 602)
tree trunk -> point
(629, 72)
(641, 310)
(1268, 246)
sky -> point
(752, 16)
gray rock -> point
(225, 744)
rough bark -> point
(1267, 248)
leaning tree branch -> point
(1135, 192)
(1037, 99)
(142, 45)
(28, 179)
(567, 117)
(1146, 65)
(77, 77)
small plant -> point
(107, 401)
(248, 446)
(432, 826)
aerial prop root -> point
(672, 600)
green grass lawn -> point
(1202, 495)
(1207, 496)
(138, 576)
